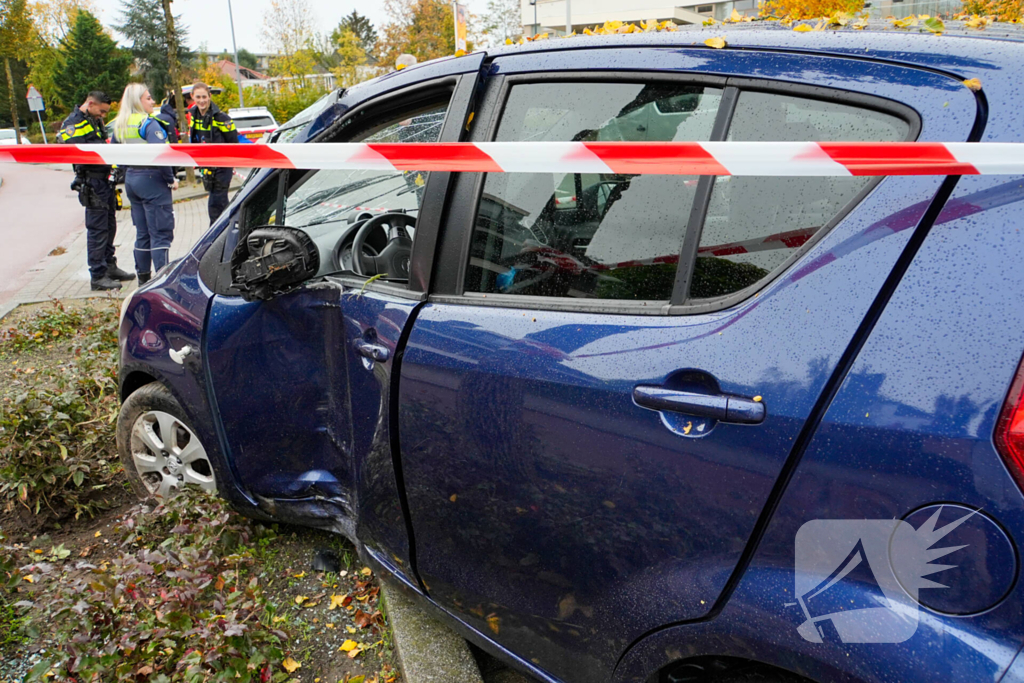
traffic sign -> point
(35, 100)
(35, 103)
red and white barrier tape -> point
(673, 158)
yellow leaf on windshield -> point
(735, 17)
(802, 28)
(717, 43)
(973, 83)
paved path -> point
(67, 275)
(38, 211)
(40, 214)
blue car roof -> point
(992, 55)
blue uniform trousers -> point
(153, 217)
(218, 196)
(100, 226)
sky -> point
(207, 20)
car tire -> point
(158, 467)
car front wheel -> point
(158, 448)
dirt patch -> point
(306, 597)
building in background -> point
(232, 71)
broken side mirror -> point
(272, 261)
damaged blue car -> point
(631, 428)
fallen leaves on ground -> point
(290, 665)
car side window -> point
(589, 235)
(328, 205)
(755, 223)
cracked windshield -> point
(331, 196)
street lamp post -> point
(238, 67)
(536, 28)
(568, 17)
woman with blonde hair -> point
(149, 188)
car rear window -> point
(253, 122)
(754, 224)
(615, 236)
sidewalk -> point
(66, 275)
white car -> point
(8, 137)
(255, 123)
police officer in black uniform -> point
(211, 125)
(96, 192)
(167, 117)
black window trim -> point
(456, 237)
(459, 88)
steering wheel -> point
(393, 259)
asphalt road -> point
(37, 211)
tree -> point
(16, 35)
(361, 27)
(173, 66)
(809, 9)
(423, 28)
(288, 26)
(54, 18)
(90, 60)
(248, 60)
(144, 26)
(351, 55)
(504, 21)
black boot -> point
(104, 283)
(143, 278)
(115, 273)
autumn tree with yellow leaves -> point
(809, 9)
(422, 28)
(1001, 10)
(289, 29)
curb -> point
(428, 651)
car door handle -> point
(721, 407)
(373, 351)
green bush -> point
(58, 423)
(11, 619)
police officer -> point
(210, 124)
(149, 188)
(95, 192)
(167, 117)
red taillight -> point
(1010, 428)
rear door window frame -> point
(456, 238)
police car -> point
(254, 123)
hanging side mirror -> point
(273, 261)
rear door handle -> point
(373, 351)
(733, 409)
